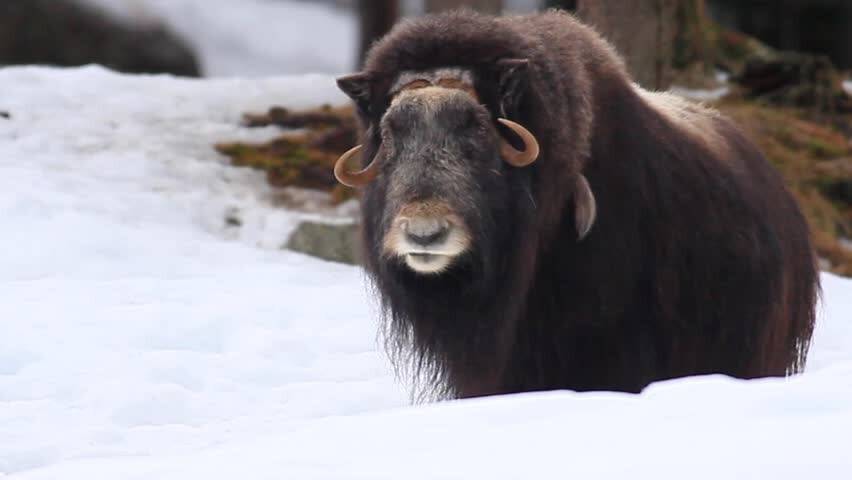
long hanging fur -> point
(695, 259)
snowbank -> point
(132, 325)
(143, 338)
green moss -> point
(824, 150)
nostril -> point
(425, 232)
(429, 239)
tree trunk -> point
(376, 19)
(486, 6)
(642, 31)
(695, 45)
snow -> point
(131, 324)
(143, 338)
(253, 38)
(699, 94)
(705, 94)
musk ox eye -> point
(403, 116)
(464, 120)
(474, 143)
(395, 125)
(471, 121)
(399, 122)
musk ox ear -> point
(512, 76)
(585, 207)
(359, 88)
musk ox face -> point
(437, 172)
(437, 145)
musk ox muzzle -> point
(427, 235)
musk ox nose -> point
(426, 231)
(427, 235)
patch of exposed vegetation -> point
(814, 155)
(304, 156)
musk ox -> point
(533, 220)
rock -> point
(336, 242)
(778, 77)
(733, 49)
(795, 79)
(67, 33)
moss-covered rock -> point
(795, 79)
(762, 73)
(733, 49)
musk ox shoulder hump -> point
(698, 121)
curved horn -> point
(354, 179)
(515, 157)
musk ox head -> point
(438, 176)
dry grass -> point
(303, 157)
(815, 158)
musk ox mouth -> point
(428, 262)
(430, 254)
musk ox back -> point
(532, 220)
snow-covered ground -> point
(143, 338)
(252, 38)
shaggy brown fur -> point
(699, 260)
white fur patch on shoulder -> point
(696, 119)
